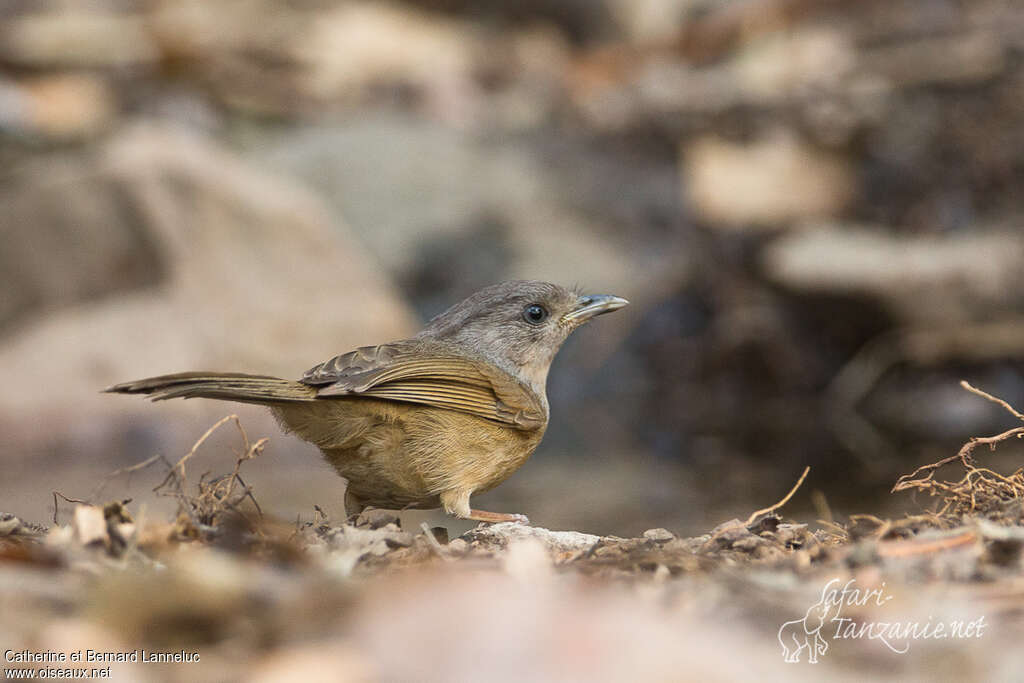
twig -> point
(964, 456)
(927, 546)
(181, 463)
(123, 470)
(874, 519)
(821, 505)
(981, 489)
(172, 477)
(992, 398)
(317, 510)
(434, 545)
(219, 494)
(250, 453)
(248, 494)
(773, 508)
(70, 500)
(883, 525)
(834, 529)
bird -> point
(429, 421)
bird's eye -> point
(535, 314)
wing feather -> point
(416, 372)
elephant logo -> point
(805, 634)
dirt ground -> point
(222, 592)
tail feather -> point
(228, 386)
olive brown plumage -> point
(423, 422)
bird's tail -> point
(227, 386)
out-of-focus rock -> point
(426, 199)
(498, 536)
(790, 64)
(644, 21)
(530, 68)
(323, 55)
(9, 524)
(811, 73)
(77, 38)
(356, 46)
(960, 59)
(930, 278)
(346, 545)
(60, 106)
(581, 21)
(241, 51)
(659, 535)
(90, 526)
(68, 239)
(205, 33)
(251, 274)
(769, 183)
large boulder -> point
(165, 253)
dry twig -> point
(434, 544)
(69, 500)
(217, 495)
(123, 470)
(980, 490)
(772, 508)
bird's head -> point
(519, 325)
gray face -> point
(519, 325)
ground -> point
(222, 592)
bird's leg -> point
(457, 503)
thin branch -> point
(773, 508)
(992, 398)
(964, 456)
(123, 470)
(70, 500)
(181, 463)
(434, 544)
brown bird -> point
(429, 421)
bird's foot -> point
(495, 517)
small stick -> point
(917, 546)
(123, 470)
(834, 529)
(434, 545)
(70, 500)
(821, 505)
(874, 519)
(992, 398)
(964, 456)
(180, 465)
(773, 508)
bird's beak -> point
(592, 305)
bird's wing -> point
(415, 372)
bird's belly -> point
(404, 455)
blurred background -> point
(814, 207)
